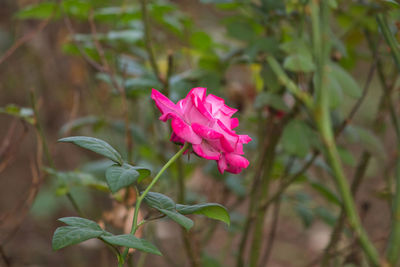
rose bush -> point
(205, 122)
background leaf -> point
(132, 241)
(95, 145)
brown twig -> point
(26, 38)
(8, 149)
(147, 39)
(272, 235)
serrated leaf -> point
(159, 201)
(167, 206)
(131, 241)
(299, 63)
(211, 210)
(178, 218)
(70, 235)
(96, 145)
(122, 176)
(81, 222)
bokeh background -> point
(68, 61)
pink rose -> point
(206, 123)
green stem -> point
(390, 39)
(143, 195)
(392, 254)
(320, 27)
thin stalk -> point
(392, 253)
(260, 212)
(147, 39)
(143, 195)
(46, 150)
(320, 27)
(186, 235)
(340, 224)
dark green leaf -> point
(167, 206)
(95, 145)
(325, 192)
(211, 210)
(159, 201)
(70, 235)
(242, 30)
(131, 241)
(80, 222)
(121, 176)
(177, 217)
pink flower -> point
(206, 123)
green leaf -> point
(128, 36)
(131, 241)
(81, 222)
(241, 29)
(306, 214)
(296, 138)
(121, 176)
(167, 206)
(349, 86)
(70, 235)
(334, 91)
(211, 210)
(263, 44)
(95, 145)
(77, 8)
(299, 63)
(264, 99)
(19, 112)
(39, 11)
(178, 218)
(325, 192)
(159, 201)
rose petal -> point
(206, 151)
(234, 123)
(215, 102)
(234, 169)
(222, 166)
(235, 160)
(198, 91)
(228, 110)
(198, 103)
(184, 131)
(176, 139)
(205, 132)
(165, 105)
(244, 139)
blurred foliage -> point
(221, 45)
